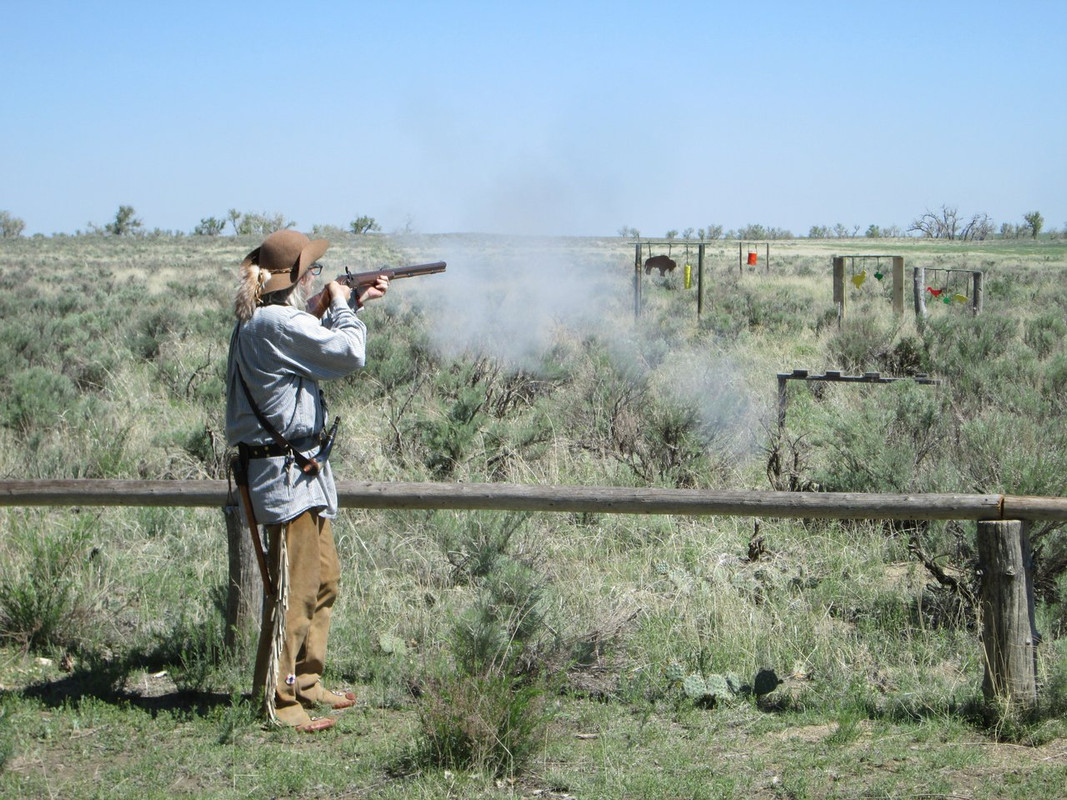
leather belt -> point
(272, 450)
(276, 450)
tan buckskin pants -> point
(312, 583)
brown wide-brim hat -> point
(286, 255)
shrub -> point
(44, 601)
(400, 360)
(474, 547)
(152, 328)
(859, 344)
(1056, 381)
(886, 446)
(501, 630)
(1045, 334)
(505, 625)
(487, 712)
(671, 446)
(484, 723)
(449, 439)
(959, 344)
(35, 399)
(907, 357)
(779, 310)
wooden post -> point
(637, 280)
(782, 399)
(977, 292)
(244, 596)
(700, 280)
(898, 284)
(918, 279)
(1007, 600)
(839, 287)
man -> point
(276, 417)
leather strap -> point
(308, 465)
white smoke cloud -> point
(507, 297)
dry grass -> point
(877, 700)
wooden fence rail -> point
(572, 499)
(1007, 598)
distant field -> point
(526, 363)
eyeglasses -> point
(315, 269)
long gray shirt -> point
(283, 353)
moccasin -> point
(337, 700)
(316, 725)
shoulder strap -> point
(308, 465)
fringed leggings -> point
(296, 621)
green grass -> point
(117, 372)
(94, 748)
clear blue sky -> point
(571, 118)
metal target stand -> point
(638, 286)
(897, 289)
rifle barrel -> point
(413, 271)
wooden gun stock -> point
(358, 280)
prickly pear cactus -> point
(708, 691)
(392, 645)
(717, 686)
(734, 683)
(674, 672)
(694, 686)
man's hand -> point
(338, 291)
(373, 292)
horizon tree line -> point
(945, 223)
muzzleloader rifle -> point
(358, 280)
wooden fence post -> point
(244, 595)
(637, 280)
(918, 279)
(1007, 601)
(839, 287)
(898, 284)
(700, 280)
(783, 398)
(977, 293)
